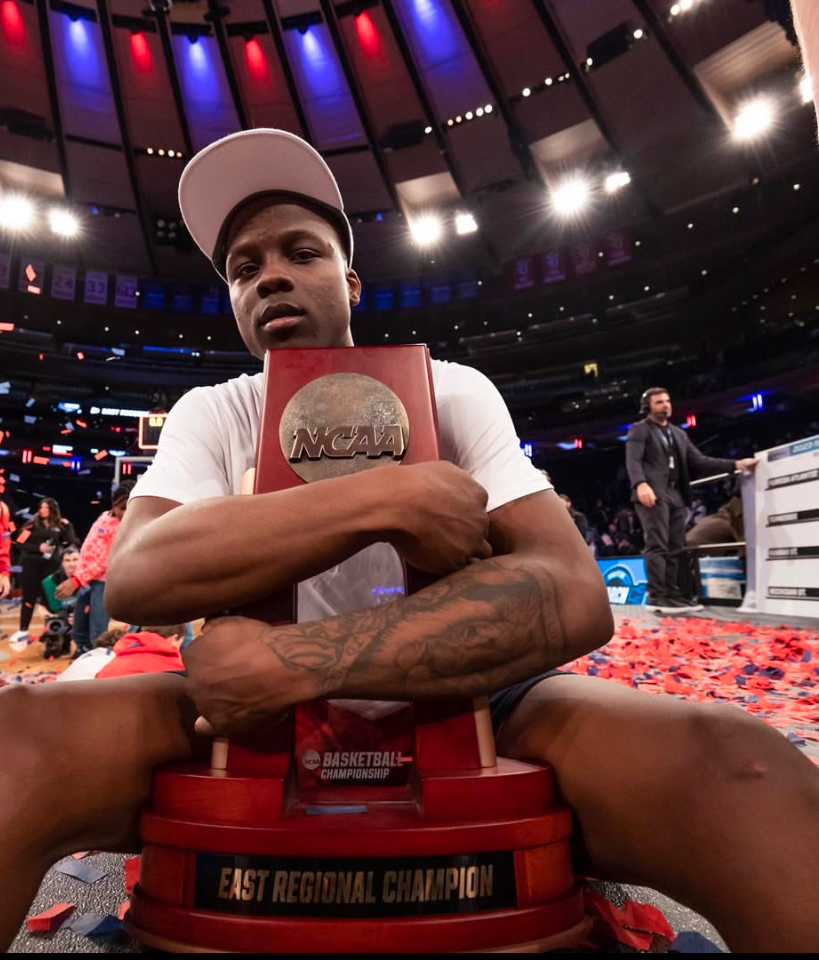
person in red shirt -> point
(5, 550)
(90, 616)
(149, 650)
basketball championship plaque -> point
(356, 826)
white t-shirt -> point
(209, 441)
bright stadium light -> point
(754, 119)
(465, 223)
(16, 213)
(614, 181)
(426, 230)
(63, 223)
(571, 196)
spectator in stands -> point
(89, 664)
(579, 518)
(120, 653)
(724, 526)
(56, 637)
(599, 517)
(696, 512)
(151, 650)
(42, 540)
(69, 562)
(90, 617)
(627, 524)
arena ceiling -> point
(451, 107)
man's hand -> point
(5, 585)
(443, 519)
(237, 681)
(66, 589)
(749, 463)
(646, 495)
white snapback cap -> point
(226, 174)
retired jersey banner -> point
(5, 269)
(96, 287)
(63, 282)
(585, 258)
(617, 247)
(125, 292)
(524, 273)
(554, 266)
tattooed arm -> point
(538, 603)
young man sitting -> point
(702, 802)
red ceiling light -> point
(141, 52)
(368, 35)
(257, 66)
(13, 25)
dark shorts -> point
(504, 702)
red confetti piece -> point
(49, 920)
(131, 873)
(636, 925)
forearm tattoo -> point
(475, 631)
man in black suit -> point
(660, 460)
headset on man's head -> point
(645, 399)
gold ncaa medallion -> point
(342, 423)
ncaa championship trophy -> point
(355, 826)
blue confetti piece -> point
(807, 656)
(740, 680)
(796, 739)
(86, 922)
(79, 870)
(752, 698)
(592, 671)
(689, 941)
(749, 669)
(107, 927)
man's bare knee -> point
(24, 772)
(84, 755)
(23, 743)
(730, 749)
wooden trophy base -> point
(466, 861)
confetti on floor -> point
(772, 672)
